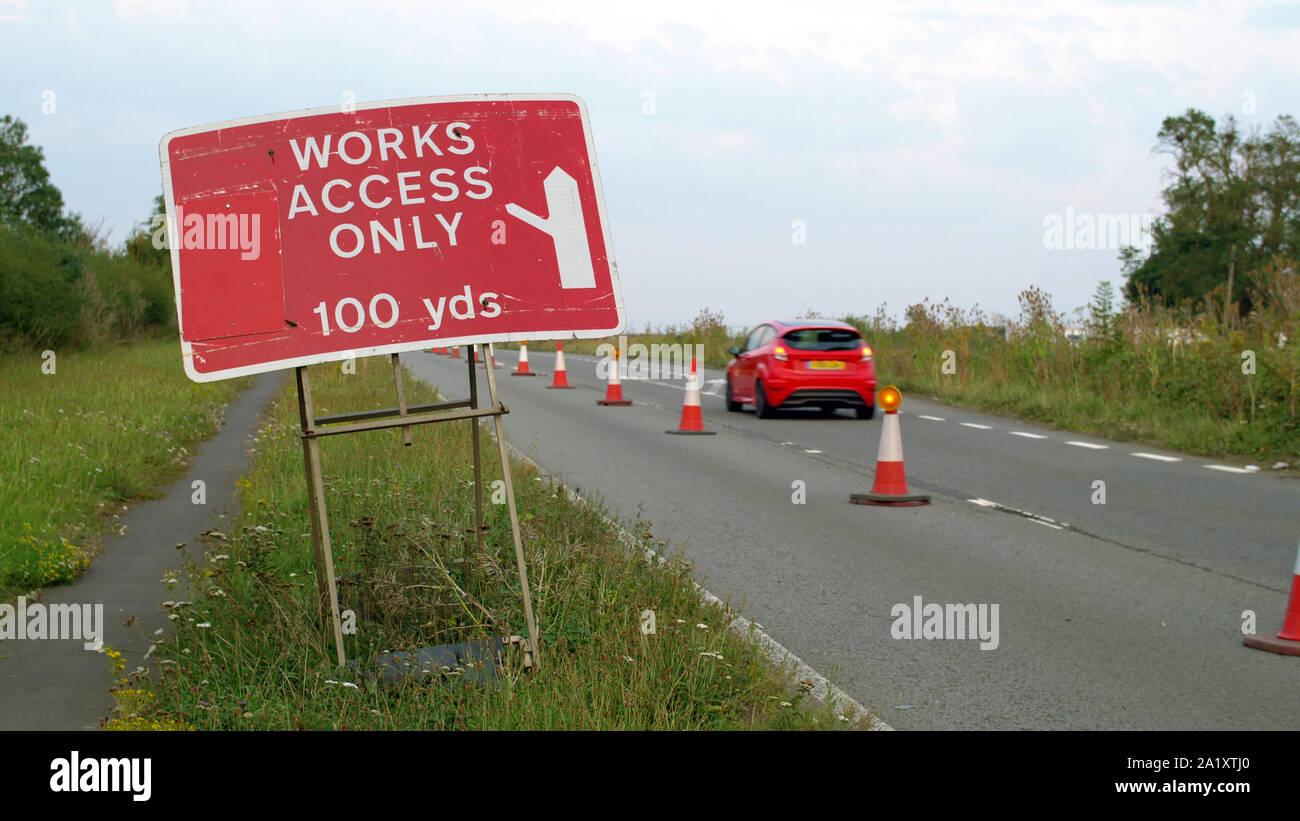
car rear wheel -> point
(732, 405)
(760, 402)
(867, 412)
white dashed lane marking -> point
(1092, 445)
(974, 425)
(931, 418)
(1033, 517)
(1157, 457)
(1227, 469)
(1027, 435)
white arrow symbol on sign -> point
(566, 228)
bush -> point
(55, 293)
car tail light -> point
(778, 353)
(866, 353)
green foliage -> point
(27, 196)
(55, 294)
(1151, 373)
(1233, 204)
(60, 285)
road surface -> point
(1123, 615)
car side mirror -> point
(733, 350)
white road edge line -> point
(975, 425)
(1092, 445)
(1027, 435)
(931, 418)
(1159, 457)
(1227, 469)
(845, 704)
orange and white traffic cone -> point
(455, 353)
(614, 388)
(890, 486)
(522, 369)
(1287, 641)
(692, 417)
(491, 361)
(561, 379)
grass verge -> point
(251, 650)
(101, 429)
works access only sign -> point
(324, 234)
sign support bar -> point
(314, 428)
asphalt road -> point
(1123, 615)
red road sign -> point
(323, 234)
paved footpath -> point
(58, 685)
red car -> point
(803, 363)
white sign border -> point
(187, 348)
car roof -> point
(789, 324)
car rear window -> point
(823, 339)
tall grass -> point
(102, 429)
(1171, 377)
(252, 650)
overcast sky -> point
(917, 149)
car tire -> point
(866, 413)
(732, 405)
(764, 410)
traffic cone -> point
(1287, 641)
(455, 353)
(492, 358)
(522, 369)
(890, 486)
(692, 417)
(561, 379)
(614, 388)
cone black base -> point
(1273, 644)
(903, 500)
(693, 432)
(559, 387)
(512, 373)
(619, 402)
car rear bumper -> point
(826, 397)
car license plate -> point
(825, 365)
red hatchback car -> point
(803, 363)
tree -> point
(1233, 202)
(140, 245)
(26, 194)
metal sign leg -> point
(478, 461)
(533, 637)
(320, 528)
